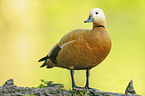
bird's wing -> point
(72, 37)
(66, 39)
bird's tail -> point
(44, 59)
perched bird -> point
(81, 49)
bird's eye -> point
(96, 12)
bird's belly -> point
(81, 57)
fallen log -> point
(9, 89)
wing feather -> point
(66, 39)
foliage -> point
(27, 94)
(44, 83)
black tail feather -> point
(43, 64)
(43, 59)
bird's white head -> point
(96, 16)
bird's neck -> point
(99, 25)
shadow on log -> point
(9, 89)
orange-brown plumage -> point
(81, 49)
(88, 49)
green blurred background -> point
(29, 28)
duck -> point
(81, 49)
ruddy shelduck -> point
(81, 49)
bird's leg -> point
(74, 87)
(72, 78)
(87, 78)
(87, 81)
